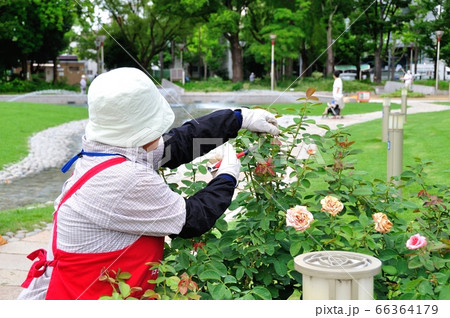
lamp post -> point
(99, 43)
(395, 145)
(272, 65)
(439, 34)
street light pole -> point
(439, 34)
(272, 65)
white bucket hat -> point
(126, 109)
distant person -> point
(408, 78)
(338, 95)
(252, 77)
(83, 84)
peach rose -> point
(416, 241)
(382, 223)
(299, 218)
(331, 205)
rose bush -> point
(279, 214)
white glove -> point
(259, 120)
(230, 163)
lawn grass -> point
(317, 110)
(19, 121)
(425, 136)
(24, 219)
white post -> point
(385, 114)
(272, 65)
(404, 101)
(395, 146)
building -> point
(70, 69)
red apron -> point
(76, 275)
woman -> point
(115, 210)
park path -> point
(14, 264)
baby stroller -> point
(332, 109)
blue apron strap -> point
(69, 163)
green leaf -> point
(209, 275)
(414, 263)
(280, 236)
(410, 205)
(217, 267)
(280, 268)
(387, 254)
(230, 280)
(202, 169)
(306, 183)
(362, 191)
(261, 292)
(124, 275)
(124, 289)
(425, 288)
(221, 225)
(445, 293)
(364, 220)
(219, 291)
(247, 297)
(239, 272)
(323, 127)
(295, 248)
(389, 269)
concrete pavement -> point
(14, 264)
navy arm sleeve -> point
(206, 206)
(199, 136)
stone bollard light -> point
(386, 111)
(332, 275)
(404, 101)
(395, 145)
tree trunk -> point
(236, 58)
(305, 64)
(55, 70)
(330, 54)
(289, 66)
(377, 65)
(161, 66)
(24, 71)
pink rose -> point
(416, 241)
(299, 218)
(331, 205)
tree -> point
(147, 28)
(382, 16)
(287, 21)
(33, 30)
(330, 8)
